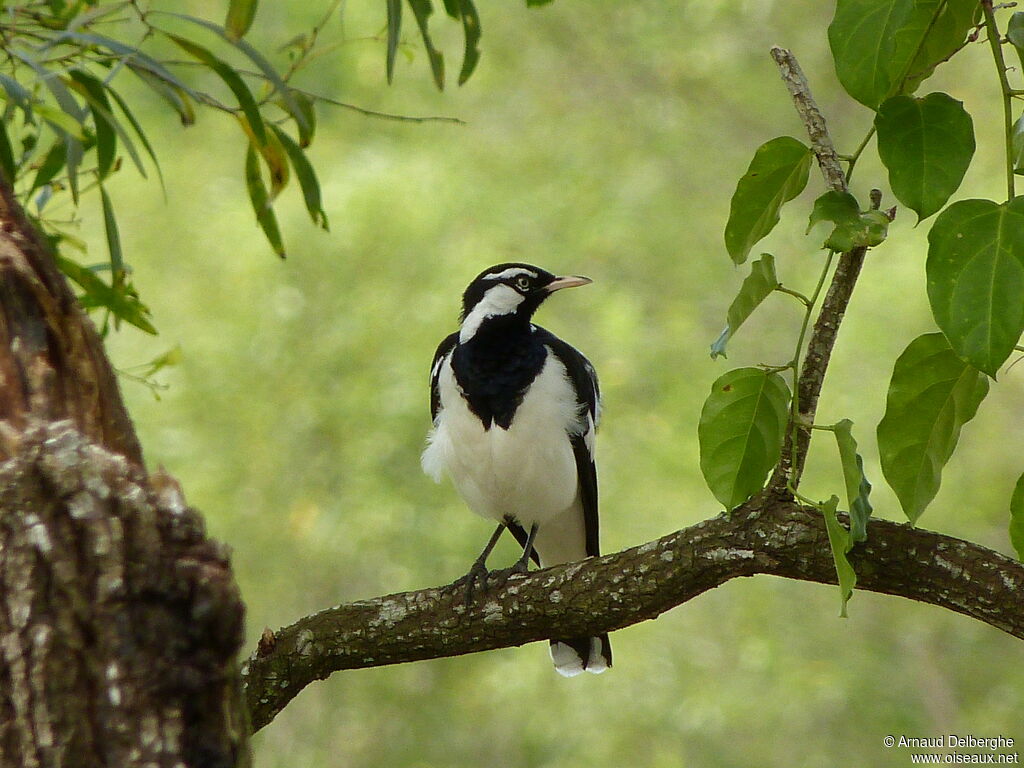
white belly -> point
(528, 471)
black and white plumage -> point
(514, 411)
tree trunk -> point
(119, 620)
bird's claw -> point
(477, 573)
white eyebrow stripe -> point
(510, 272)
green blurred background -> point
(602, 138)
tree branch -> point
(826, 327)
(766, 535)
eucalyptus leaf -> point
(307, 178)
(178, 98)
(740, 432)
(394, 35)
(10, 170)
(232, 80)
(927, 145)
(975, 272)
(932, 395)
(471, 32)
(113, 237)
(777, 174)
(421, 9)
(123, 305)
(99, 105)
(260, 199)
(137, 127)
(240, 17)
(255, 57)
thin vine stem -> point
(1008, 93)
(794, 405)
(858, 152)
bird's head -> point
(510, 290)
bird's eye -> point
(522, 282)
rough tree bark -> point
(120, 621)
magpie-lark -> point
(514, 413)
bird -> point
(514, 414)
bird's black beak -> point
(569, 281)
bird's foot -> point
(501, 577)
(478, 573)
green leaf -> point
(7, 156)
(257, 58)
(240, 16)
(51, 165)
(113, 238)
(934, 30)
(106, 136)
(168, 359)
(834, 206)
(305, 121)
(260, 199)
(926, 144)
(471, 31)
(394, 35)
(421, 9)
(133, 57)
(1018, 145)
(853, 228)
(138, 132)
(975, 273)
(16, 93)
(777, 174)
(740, 432)
(862, 37)
(1015, 34)
(123, 305)
(840, 542)
(177, 97)
(1017, 518)
(885, 47)
(307, 178)
(933, 393)
(757, 286)
(857, 486)
(96, 95)
(232, 80)
(73, 150)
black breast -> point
(495, 368)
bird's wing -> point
(588, 394)
(444, 349)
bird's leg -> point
(522, 565)
(478, 571)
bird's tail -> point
(593, 654)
